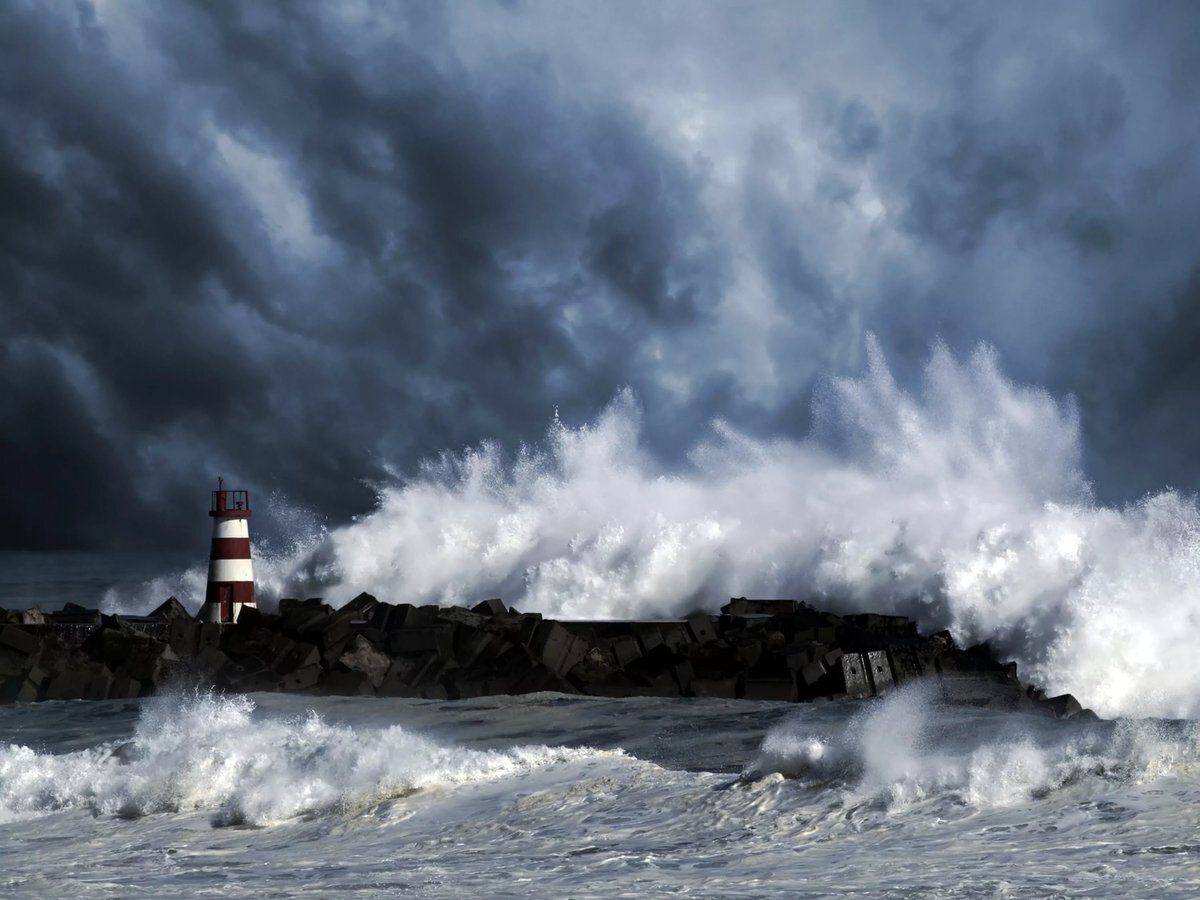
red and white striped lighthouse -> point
(230, 571)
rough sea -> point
(554, 796)
(962, 504)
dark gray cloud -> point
(302, 245)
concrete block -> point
(396, 682)
(362, 606)
(675, 636)
(750, 652)
(124, 687)
(298, 656)
(626, 649)
(183, 636)
(362, 656)
(648, 636)
(492, 607)
(800, 653)
(376, 636)
(981, 689)
(463, 618)
(86, 682)
(305, 678)
(208, 637)
(558, 649)
(252, 616)
(854, 675)
(906, 665)
(211, 662)
(171, 610)
(142, 662)
(812, 673)
(302, 619)
(23, 642)
(701, 628)
(528, 627)
(438, 639)
(472, 647)
(28, 692)
(14, 664)
(380, 615)
(410, 672)
(879, 671)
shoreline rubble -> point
(781, 650)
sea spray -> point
(961, 503)
(212, 753)
(909, 748)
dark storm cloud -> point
(299, 244)
(455, 219)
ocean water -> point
(554, 796)
(961, 502)
(91, 579)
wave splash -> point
(900, 752)
(211, 753)
(961, 503)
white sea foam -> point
(899, 750)
(211, 753)
(962, 503)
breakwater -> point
(782, 650)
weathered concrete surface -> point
(780, 650)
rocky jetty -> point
(782, 650)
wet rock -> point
(879, 671)
(492, 607)
(19, 640)
(85, 682)
(702, 628)
(1064, 706)
(557, 649)
(170, 610)
(767, 650)
(853, 671)
(362, 606)
(362, 656)
(437, 639)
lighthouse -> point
(230, 571)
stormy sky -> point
(306, 245)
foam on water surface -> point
(891, 797)
(211, 753)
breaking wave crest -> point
(899, 752)
(211, 753)
(962, 503)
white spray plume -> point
(962, 503)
